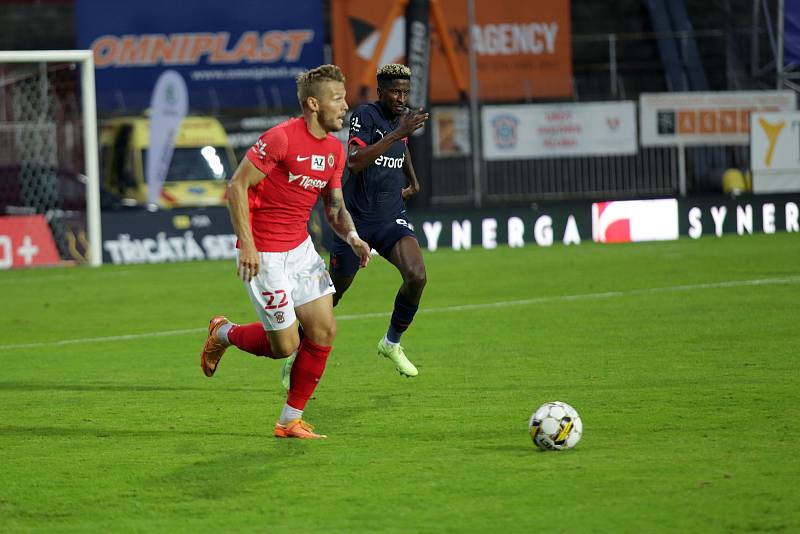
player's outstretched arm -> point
(361, 157)
(246, 176)
(342, 223)
(408, 169)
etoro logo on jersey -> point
(391, 163)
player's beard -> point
(332, 123)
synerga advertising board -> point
(206, 233)
(231, 54)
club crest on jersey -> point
(330, 159)
(260, 148)
(355, 126)
(317, 163)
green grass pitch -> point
(681, 357)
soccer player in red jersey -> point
(270, 198)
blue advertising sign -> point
(791, 32)
(235, 54)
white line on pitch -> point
(445, 309)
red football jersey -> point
(297, 166)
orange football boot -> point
(213, 349)
(296, 428)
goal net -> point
(48, 147)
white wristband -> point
(351, 235)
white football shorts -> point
(286, 280)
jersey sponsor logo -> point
(316, 183)
(390, 163)
(260, 148)
(302, 159)
(306, 181)
(317, 163)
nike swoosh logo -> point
(302, 159)
(293, 177)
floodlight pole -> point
(779, 54)
(477, 189)
(90, 150)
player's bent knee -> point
(417, 278)
(323, 334)
(284, 348)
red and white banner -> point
(559, 130)
(627, 221)
(26, 241)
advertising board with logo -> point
(521, 53)
(559, 130)
(711, 118)
(167, 236)
(26, 241)
(244, 54)
(775, 152)
(549, 223)
(206, 234)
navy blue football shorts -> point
(381, 236)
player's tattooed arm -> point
(335, 211)
(342, 223)
(413, 184)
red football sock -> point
(251, 338)
(306, 372)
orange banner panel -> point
(521, 53)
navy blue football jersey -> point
(375, 194)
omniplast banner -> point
(710, 118)
(775, 152)
(232, 54)
(558, 130)
(522, 50)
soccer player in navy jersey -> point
(270, 198)
(382, 177)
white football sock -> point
(290, 414)
(222, 332)
(390, 343)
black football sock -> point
(402, 316)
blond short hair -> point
(309, 82)
(393, 71)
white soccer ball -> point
(555, 426)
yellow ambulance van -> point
(201, 166)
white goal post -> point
(89, 116)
